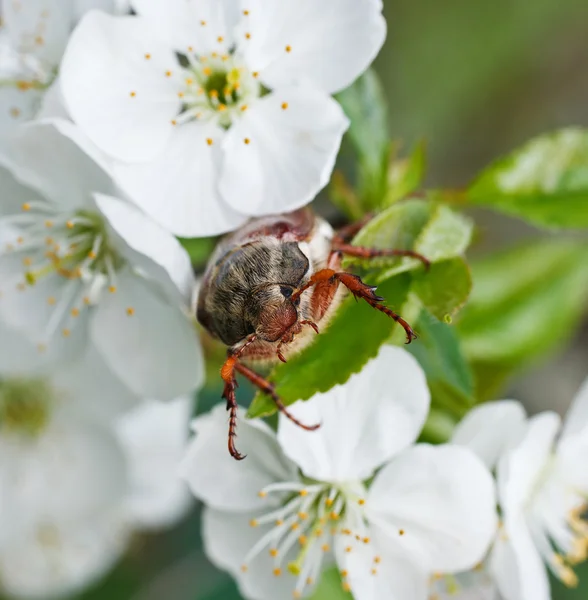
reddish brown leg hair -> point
(362, 252)
(360, 290)
(231, 365)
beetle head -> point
(270, 312)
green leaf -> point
(444, 288)
(199, 249)
(525, 303)
(433, 230)
(406, 175)
(365, 105)
(545, 182)
(343, 348)
(448, 373)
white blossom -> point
(74, 482)
(219, 109)
(542, 490)
(79, 266)
(473, 585)
(302, 499)
(33, 36)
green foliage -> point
(405, 175)
(545, 182)
(199, 249)
(448, 373)
(525, 303)
(357, 331)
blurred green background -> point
(475, 79)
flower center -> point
(217, 87)
(24, 406)
(72, 248)
(302, 530)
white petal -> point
(103, 66)
(205, 25)
(74, 470)
(179, 187)
(148, 342)
(227, 539)
(576, 420)
(154, 437)
(469, 585)
(90, 382)
(221, 481)
(394, 576)
(40, 28)
(148, 240)
(16, 107)
(56, 159)
(442, 499)
(58, 560)
(520, 468)
(52, 105)
(488, 428)
(290, 154)
(83, 6)
(364, 422)
(331, 43)
(18, 355)
(15, 192)
(517, 567)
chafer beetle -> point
(268, 287)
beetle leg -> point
(362, 252)
(268, 388)
(346, 233)
(360, 290)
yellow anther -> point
(303, 492)
(302, 516)
(277, 572)
(288, 48)
(318, 533)
(51, 301)
(284, 105)
(190, 49)
(401, 532)
(247, 141)
(41, 348)
(334, 516)
(346, 587)
(253, 523)
(374, 571)
(303, 540)
(26, 207)
(48, 224)
(222, 107)
(329, 502)
(279, 522)
(244, 568)
(247, 36)
(208, 71)
(75, 312)
(348, 549)
(325, 547)
(66, 333)
(203, 23)
(346, 531)
(296, 594)
(147, 56)
(220, 39)
(361, 502)
(246, 13)
(309, 581)
(86, 300)
(189, 81)
(112, 289)
(168, 73)
(92, 254)
(130, 311)
(294, 526)
(27, 262)
(180, 94)
(174, 122)
(15, 112)
(262, 494)
(19, 240)
(273, 552)
(133, 94)
(209, 141)
(255, 74)
(39, 40)
(344, 573)
(244, 108)
(366, 540)
(70, 224)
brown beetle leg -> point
(346, 233)
(360, 290)
(267, 388)
(362, 252)
(228, 376)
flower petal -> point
(487, 429)
(380, 570)
(517, 567)
(16, 107)
(179, 187)
(364, 422)
(39, 28)
(58, 560)
(519, 469)
(47, 153)
(281, 152)
(148, 342)
(206, 25)
(224, 483)
(438, 503)
(326, 45)
(120, 98)
(154, 437)
(576, 420)
(15, 192)
(228, 538)
(149, 244)
(89, 382)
